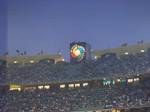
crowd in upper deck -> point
(108, 65)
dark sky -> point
(52, 24)
(3, 26)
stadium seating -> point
(124, 65)
(67, 100)
(74, 99)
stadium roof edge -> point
(122, 49)
(36, 58)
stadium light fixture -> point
(15, 87)
(130, 80)
(40, 87)
(118, 80)
(136, 79)
(95, 57)
(15, 62)
(77, 85)
(71, 85)
(85, 84)
(47, 86)
(142, 50)
(62, 86)
(31, 61)
(126, 53)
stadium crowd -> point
(67, 100)
(72, 99)
(108, 65)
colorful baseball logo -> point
(77, 52)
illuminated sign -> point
(77, 52)
(108, 82)
(15, 87)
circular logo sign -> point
(77, 52)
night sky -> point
(50, 25)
